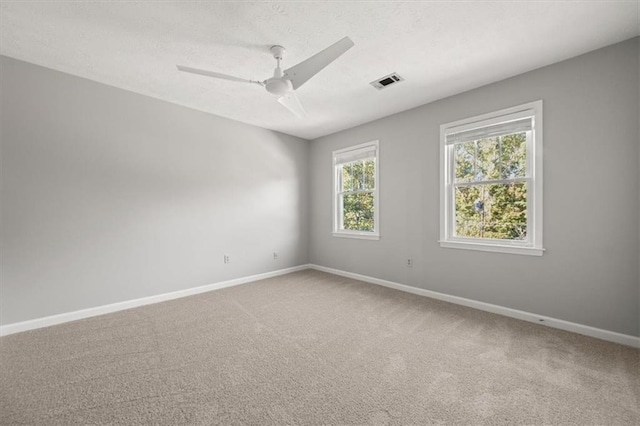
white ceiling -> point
(440, 48)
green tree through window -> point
(358, 183)
(490, 198)
(356, 191)
(491, 181)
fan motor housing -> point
(278, 86)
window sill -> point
(361, 236)
(530, 251)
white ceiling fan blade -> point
(299, 74)
(215, 74)
(291, 102)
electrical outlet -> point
(227, 259)
(275, 255)
(409, 262)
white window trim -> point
(365, 235)
(534, 165)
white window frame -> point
(533, 245)
(337, 200)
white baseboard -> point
(488, 307)
(598, 333)
(114, 307)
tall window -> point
(355, 193)
(491, 181)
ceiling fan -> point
(284, 83)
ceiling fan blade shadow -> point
(292, 103)
(299, 74)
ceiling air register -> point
(386, 81)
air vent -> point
(386, 81)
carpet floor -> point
(313, 348)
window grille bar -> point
(490, 182)
(362, 191)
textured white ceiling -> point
(440, 48)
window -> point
(491, 181)
(355, 193)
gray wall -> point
(110, 196)
(589, 274)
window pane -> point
(347, 180)
(496, 211)
(369, 174)
(356, 175)
(357, 212)
(353, 176)
(464, 161)
(514, 154)
(467, 217)
(488, 159)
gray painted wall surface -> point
(109, 196)
(589, 274)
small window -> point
(491, 181)
(355, 193)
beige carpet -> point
(313, 348)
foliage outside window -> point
(492, 181)
(356, 191)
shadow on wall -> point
(111, 196)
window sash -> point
(340, 212)
(452, 219)
(451, 162)
(491, 182)
(359, 191)
(339, 170)
(452, 154)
